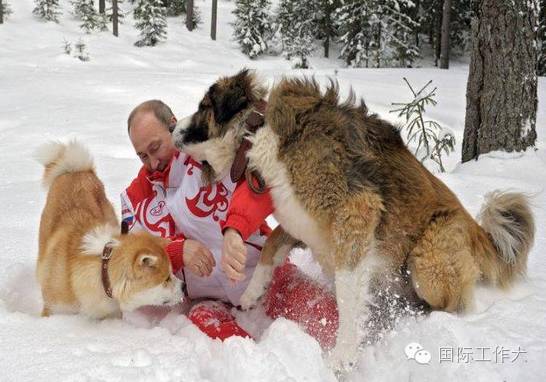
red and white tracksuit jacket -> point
(175, 204)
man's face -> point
(152, 141)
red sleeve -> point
(140, 187)
(175, 250)
(248, 210)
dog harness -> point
(253, 122)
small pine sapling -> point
(81, 51)
(67, 45)
(431, 138)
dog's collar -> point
(253, 122)
(105, 258)
(255, 119)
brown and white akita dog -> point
(343, 182)
(79, 228)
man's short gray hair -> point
(162, 112)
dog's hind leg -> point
(276, 249)
(442, 269)
(353, 235)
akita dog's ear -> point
(147, 260)
(231, 95)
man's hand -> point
(197, 258)
(233, 255)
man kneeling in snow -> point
(168, 198)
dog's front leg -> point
(356, 261)
(353, 299)
(276, 249)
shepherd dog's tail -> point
(507, 219)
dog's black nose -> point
(172, 126)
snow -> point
(46, 94)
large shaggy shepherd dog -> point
(344, 183)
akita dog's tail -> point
(507, 220)
(61, 158)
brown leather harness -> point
(253, 122)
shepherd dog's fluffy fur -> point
(343, 182)
(76, 223)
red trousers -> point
(291, 295)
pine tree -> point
(91, 19)
(175, 7)
(326, 24)
(298, 30)
(150, 17)
(400, 24)
(379, 51)
(252, 26)
(430, 19)
(355, 31)
(541, 37)
(461, 15)
(47, 10)
(376, 33)
(5, 10)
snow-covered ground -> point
(45, 94)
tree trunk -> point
(327, 27)
(541, 38)
(416, 15)
(501, 95)
(189, 15)
(444, 54)
(431, 31)
(378, 51)
(115, 21)
(327, 46)
(437, 33)
(102, 6)
(213, 19)
(1, 11)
